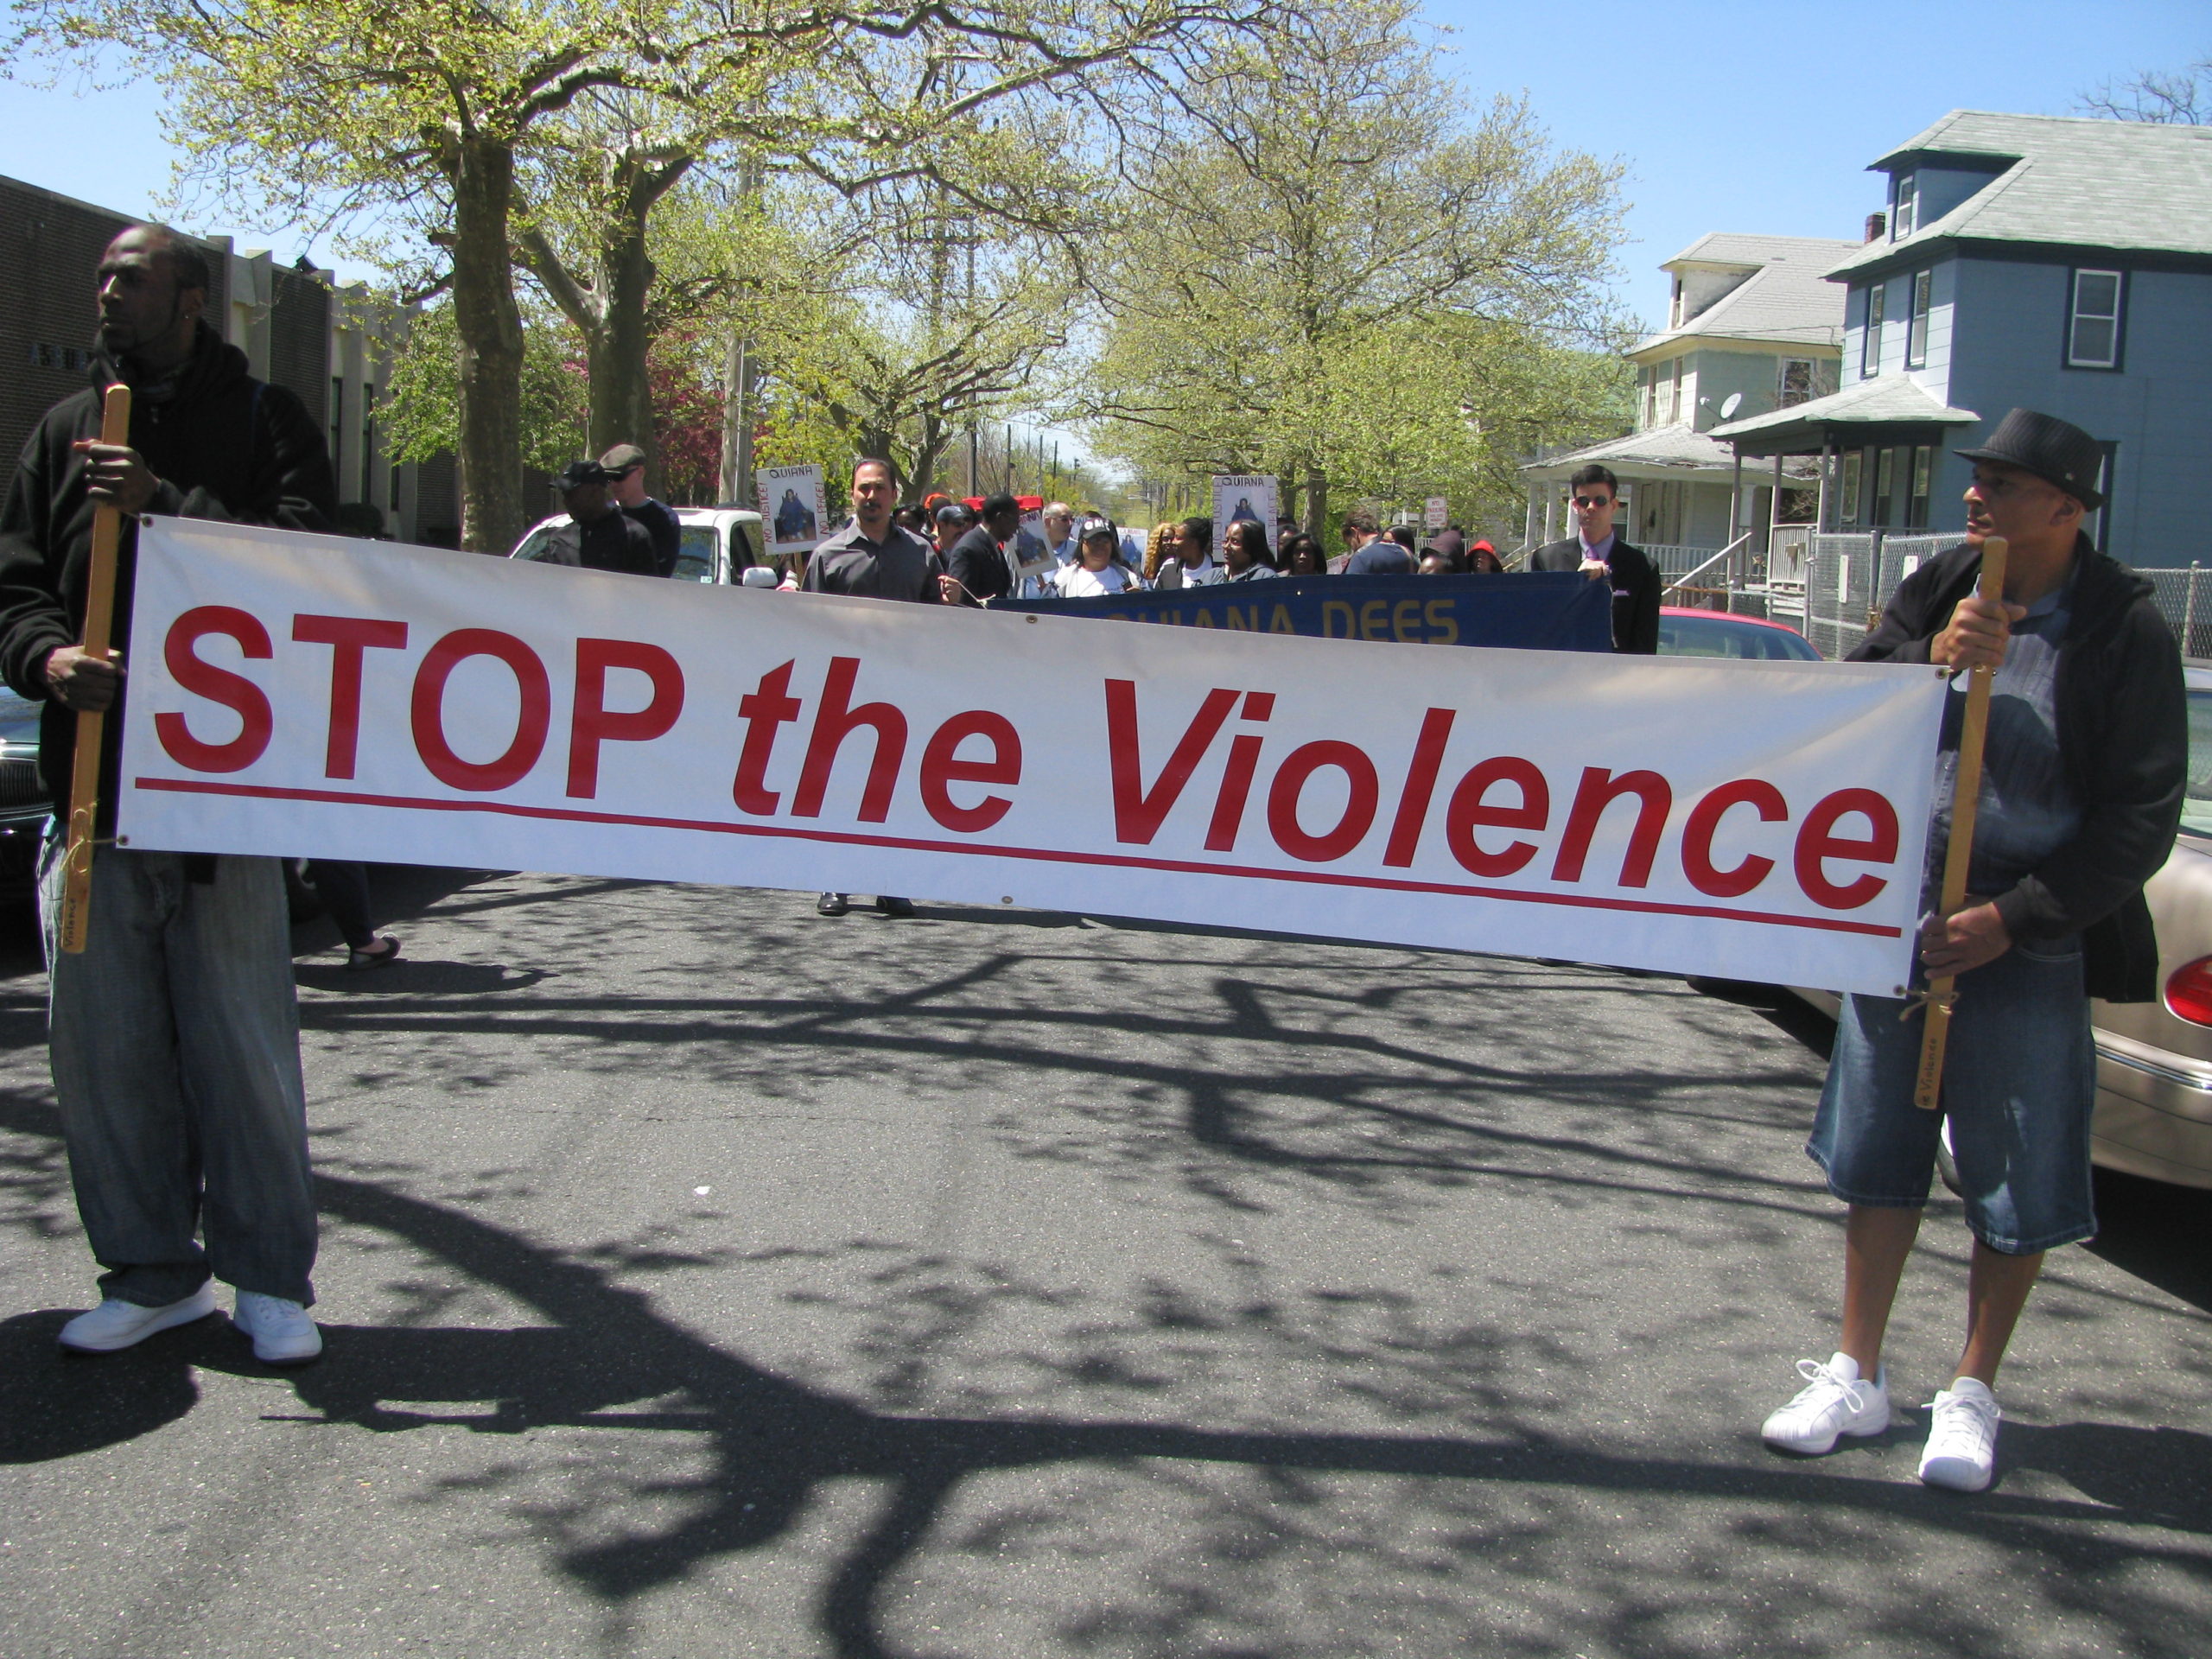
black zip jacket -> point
(2123, 736)
(224, 446)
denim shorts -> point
(2019, 1086)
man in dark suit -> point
(978, 561)
(1598, 553)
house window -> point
(1794, 384)
(1870, 360)
(2093, 329)
(1906, 216)
(1674, 395)
(1915, 338)
(1923, 467)
(1885, 479)
(1854, 478)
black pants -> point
(343, 887)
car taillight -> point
(2188, 992)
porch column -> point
(1528, 531)
(1773, 501)
(1551, 507)
(1821, 513)
(1738, 564)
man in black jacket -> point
(978, 561)
(2086, 763)
(174, 1035)
(625, 466)
(1600, 555)
(599, 535)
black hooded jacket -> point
(2123, 736)
(224, 446)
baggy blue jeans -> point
(175, 1045)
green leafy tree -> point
(1320, 278)
(436, 114)
(421, 410)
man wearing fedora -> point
(2086, 760)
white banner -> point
(1240, 496)
(792, 510)
(301, 694)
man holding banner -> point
(175, 1035)
(2086, 754)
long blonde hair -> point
(1156, 548)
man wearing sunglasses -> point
(1600, 555)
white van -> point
(717, 543)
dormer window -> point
(1904, 217)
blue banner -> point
(1544, 610)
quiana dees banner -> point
(1544, 610)
(304, 695)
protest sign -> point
(1238, 495)
(309, 696)
(1548, 610)
(791, 508)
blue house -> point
(2065, 266)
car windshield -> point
(1721, 636)
(539, 545)
(2196, 806)
(695, 554)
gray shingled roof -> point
(1787, 299)
(1888, 400)
(1674, 448)
(2126, 185)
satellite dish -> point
(1729, 405)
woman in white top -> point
(1097, 570)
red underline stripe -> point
(780, 832)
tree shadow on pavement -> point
(605, 1360)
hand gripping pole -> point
(1958, 856)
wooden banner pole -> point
(91, 728)
(1958, 855)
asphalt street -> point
(703, 1277)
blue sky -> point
(1730, 116)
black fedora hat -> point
(2055, 451)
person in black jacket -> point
(2085, 767)
(174, 1035)
(625, 466)
(599, 535)
(1596, 551)
(978, 562)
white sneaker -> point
(282, 1332)
(1836, 1400)
(116, 1324)
(1962, 1437)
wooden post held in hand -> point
(1958, 856)
(91, 728)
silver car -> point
(2154, 1059)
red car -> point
(1685, 633)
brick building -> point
(331, 346)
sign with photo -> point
(1244, 496)
(792, 510)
